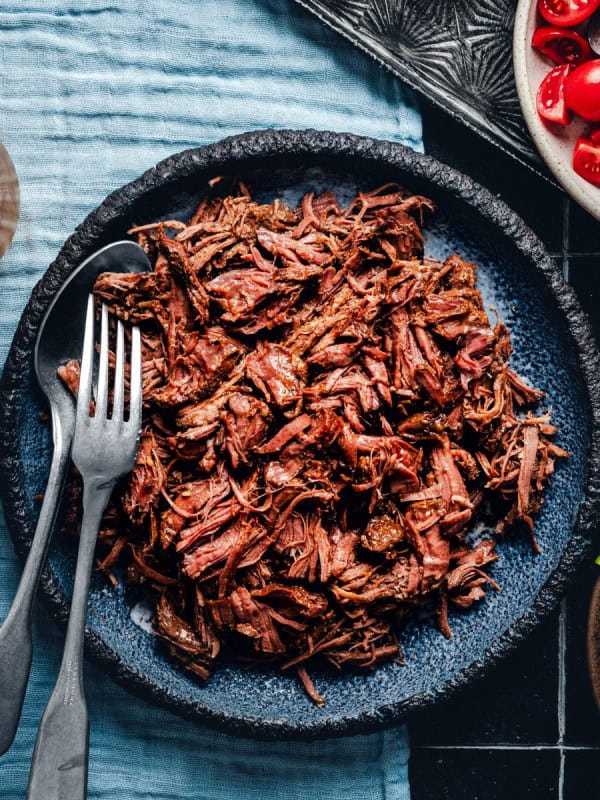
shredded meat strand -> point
(327, 414)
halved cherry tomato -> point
(582, 90)
(567, 13)
(562, 46)
(550, 100)
(586, 159)
(595, 136)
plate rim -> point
(273, 143)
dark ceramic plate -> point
(553, 349)
(458, 53)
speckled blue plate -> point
(553, 349)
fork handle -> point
(15, 633)
(59, 765)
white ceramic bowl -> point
(554, 144)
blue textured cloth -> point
(91, 95)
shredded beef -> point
(327, 414)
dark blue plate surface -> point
(553, 349)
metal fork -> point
(104, 449)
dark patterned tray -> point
(458, 53)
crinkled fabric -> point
(91, 95)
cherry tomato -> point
(567, 13)
(595, 136)
(550, 101)
(586, 159)
(562, 46)
(582, 90)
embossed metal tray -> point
(458, 53)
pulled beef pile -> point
(327, 413)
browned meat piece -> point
(69, 375)
(345, 380)
(277, 373)
(237, 543)
(440, 307)
(435, 557)
(461, 273)
(221, 515)
(473, 358)
(132, 296)
(196, 364)
(523, 394)
(362, 584)
(278, 474)
(145, 481)
(335, 355)
(199, 420)
(343, 550)
(191, 503)
(293, 251)
(272, 314)
(246, 423)
(181, 265)
(423, 425)
(140, 571)
(528, 461)
(284, 435)
(183, 385)
(181, 639)
(239, 291)
(292, 601)
(214, 353)
(327, 413)
(382, 533)
(241, 613)
(467, 577)
(453, 493)
(388, 455)
(174, 518)
(312, 553)
(375, 362)
(411, 370)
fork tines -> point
(85, 409)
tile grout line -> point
(562, 682)
(562, 619)
(565, 238)
(558, 254)
(509, 747)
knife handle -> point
(15, 632)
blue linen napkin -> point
(92, 94)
